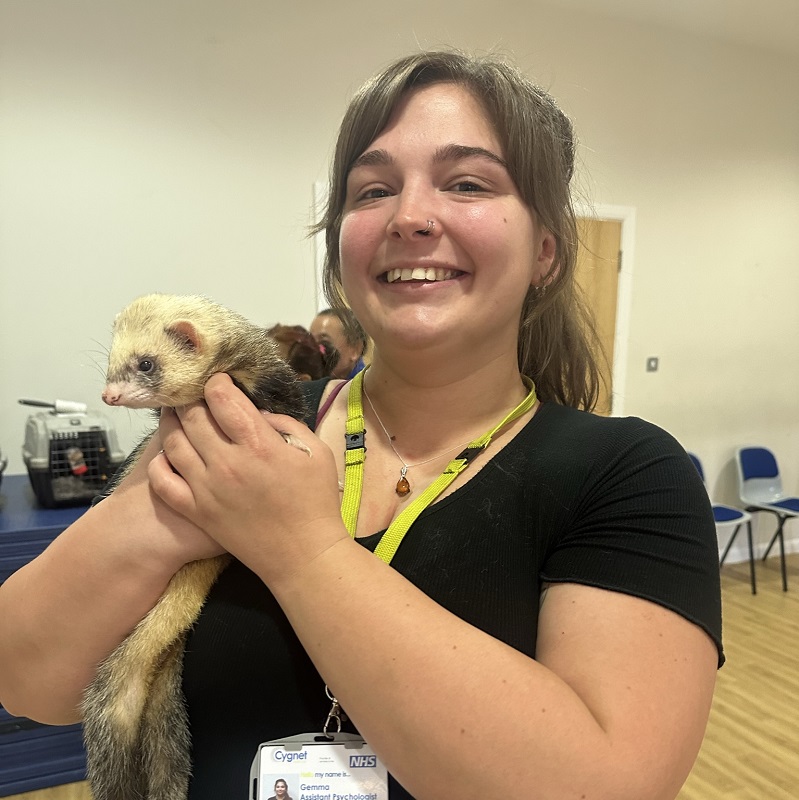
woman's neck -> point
(427, 412)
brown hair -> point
(557, 342)
(305, 355)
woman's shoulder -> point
(573, 425)
(566, 441)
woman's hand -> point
(273, 505)
(167, 536)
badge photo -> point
(337, 766)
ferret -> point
(163, 350)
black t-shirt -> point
(608, 502)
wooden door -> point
(598, 265)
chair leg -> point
(729, 545)
(751, 552)
(778, 537)
(774, 538)
(782, 557)
(751, 555)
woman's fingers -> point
(181, 463)
(235, 415)
(170, 486)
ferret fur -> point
(163, 350)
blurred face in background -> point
(328, 330)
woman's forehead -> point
(439, 112)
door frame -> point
(621, 337)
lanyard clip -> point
(355, 441)
(334, 717)
(469, 453)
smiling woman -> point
(556, 568)
(484, 241)
(281, 790)
(528, 143)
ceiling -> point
(769, 24)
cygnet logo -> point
(287, 756)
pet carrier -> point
(70, 453)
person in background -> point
(310, 359)
(340, 329)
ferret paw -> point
(295, 442)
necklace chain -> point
(403, 486)
(355, 456)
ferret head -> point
(158, 355)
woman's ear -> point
(544, 271)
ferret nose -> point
(110, 396)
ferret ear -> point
(185, 332)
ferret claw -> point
(295, 442)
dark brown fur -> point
(164, 348)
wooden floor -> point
(751, 750)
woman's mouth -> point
(428, 274)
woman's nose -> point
(413, 219)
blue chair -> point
(760, 489)
(727, 517)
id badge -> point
(340, 766)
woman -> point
(553, 609)
(339, 329)
(281, 790)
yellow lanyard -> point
(355, 456)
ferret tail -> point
(111, 714)
(129, 688)
(165, 741)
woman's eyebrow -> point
(373, 158)
(448, 152)
(457, 152)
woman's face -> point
(465, 281)
(281, 789)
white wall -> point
(172, 145)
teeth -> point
(430, 274)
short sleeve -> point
(643, 525)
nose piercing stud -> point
(429, 229)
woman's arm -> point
(62, 613)
(615, 706)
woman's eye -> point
(467, 186)
(373, 194)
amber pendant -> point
(403, 487)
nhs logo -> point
(363, 761)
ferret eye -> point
(145, 365)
